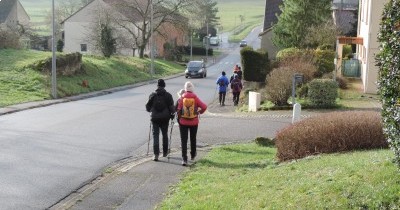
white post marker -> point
(254, 101)
(296, 113)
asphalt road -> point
(46, 153)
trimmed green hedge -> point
(323, 92)
(255, 64)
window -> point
(83, 47)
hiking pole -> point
(148, 143)
(170, 138)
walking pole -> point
(170, 138)
(148, 143)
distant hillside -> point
(38, 10)
(230, 12)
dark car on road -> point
(243, 43)
(196, 69)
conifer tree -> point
(296, 17)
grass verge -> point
(246, 176)
(20, 83)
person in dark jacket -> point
(236, 87)
(161, 106)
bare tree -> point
(323, 34)
(62, 12)
(137, 14)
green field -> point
(230, 12)
(38, 11)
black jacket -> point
(169, 109)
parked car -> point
(196, 69)
(214, 41)
(243, 43)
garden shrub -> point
(288, 53)
(9, 39)
(388, 75)
(301, 65)
(342, 82)
(347, 51)
(279, 85)
(324, 59)
(330, 133)
(302, 91)
(279, 81)
(322, 92)
(326, 47)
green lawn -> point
(20, 83)
(230, 12)
(246, 176)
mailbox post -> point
(297, 78)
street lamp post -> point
(207, 43)
(53, 60)
(191, 45)
(151, 39)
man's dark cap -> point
(161, 83)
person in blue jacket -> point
(222, 83)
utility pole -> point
(207, 41)
(53, 60)
(151, 39)
(191, 45)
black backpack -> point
(159, 103)
(221, 83)
(236, 85)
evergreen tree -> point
(296, 17)
(107, 42)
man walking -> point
(223, 83)
(161, 106)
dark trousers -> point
(184, 130)
(222, 98)
(236, 98)
(157, 126)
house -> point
(344, 13)
(80, 27)
(12, 15)
(369, 18)
(272, 11)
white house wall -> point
(23, 16)
(267, 44)
(78, 29)
(370, 13)
(75, 34)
